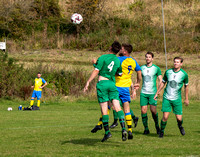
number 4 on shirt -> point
(110, 66)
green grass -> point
(63, 129)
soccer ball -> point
(9, 108)
(76, 18)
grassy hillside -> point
(45, 24)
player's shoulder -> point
(143, 66)
(155, 66)
(103, 56)
(133, 59)
(183, 71)
(168, 71)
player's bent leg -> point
(135, 119)
(99, 125)
(155, 118)
(179, 123)
(145, 119)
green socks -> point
(162, 126)
(132, 114)
(145, 121)
(115, 116)
(180, 123)
(121, 119)
(105, 119)
(155, 118)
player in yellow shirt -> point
(123, 83)
(39, 84)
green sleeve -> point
(159, 72)
(186, 79)
(165, 77)
(99, 63)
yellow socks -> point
(128, 121)
(32, 101)
(38, 103)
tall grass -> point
(16, 81)
(67, 71)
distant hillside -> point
(45, 24)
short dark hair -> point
(128, 47)
(149, 53)
(39, 73)
(181, 59)
(116, 47)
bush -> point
(15, 81)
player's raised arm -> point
(92, 76)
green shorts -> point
(168, 105)
(106, 91)
(147, 99)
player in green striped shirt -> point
(107, 67)
(150, 73)
(175, 78)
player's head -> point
(178, 58)
(39, 74)
(115, 47)
(127, 47)
(149, 57)
(178, 61)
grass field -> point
(63, 129)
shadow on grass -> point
(90, 142)
(151, 134)
(137, 133)
(82, 141)
(141, 133)
(197, 131)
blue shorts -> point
(124, 94)
(37, 94)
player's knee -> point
(117, 108)
(164, 119)
(153, 110)
(144, 109)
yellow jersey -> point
(38, 83)
(128, 66)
